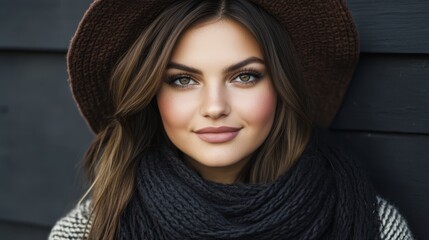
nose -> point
(215, 102)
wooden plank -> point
(22, 231)
(398, 166)
(41, 24)
(388, 93)
(42, 139)
(392, 26)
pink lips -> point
(217, 134)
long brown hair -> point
(135, 127)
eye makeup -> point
(254, 76)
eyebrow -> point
(225, 70)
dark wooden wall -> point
(384, 121)
(42, 136)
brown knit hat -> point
(323, 32)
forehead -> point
(223, 40)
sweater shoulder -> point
(73, 225)
(392, 225)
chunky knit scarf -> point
(323, 196)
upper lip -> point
(220, 129)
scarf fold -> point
(323, 196)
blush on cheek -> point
(260, 107)
(267, 102)
(166, 108)
(176, 109)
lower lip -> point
(217, 137)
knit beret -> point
(323, 32)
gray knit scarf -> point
(323, 196)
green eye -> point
(184, 81)
(181, 81)
(245, 77)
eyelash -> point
(252, 72)
(246, 71)
(171, 79)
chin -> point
(219, 160)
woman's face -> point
(217, 103)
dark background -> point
(384, 121)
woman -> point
(203, 125)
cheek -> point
(176, 109)
(260, 106)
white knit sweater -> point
(71, 227)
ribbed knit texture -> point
(323, 196)
(393, 226)
(74, 225)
